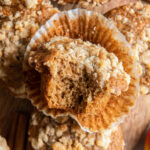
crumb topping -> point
(76, 71)
(26, 3)
(17, 26)
(133, 21)
(46, 133)
(5, 2)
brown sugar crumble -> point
(133, 20)
(19, 21)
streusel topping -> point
(47, 133)
(133, 21)
(74, 72)
(18, 24)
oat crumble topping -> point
(45, 133)
(17, 26)
(133, 21)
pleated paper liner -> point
(93, 27)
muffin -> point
(3, 144)
(133, 21)
(82, 73)
(19, 21)
(45, 133)
(75, 73)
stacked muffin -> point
(79, 70)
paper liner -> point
(93, 27)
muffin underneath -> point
(133, 20)
(45, 133)
(3, 144)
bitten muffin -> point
(133, 21)
(46, 133)
(75, 73)
(3, 144)
(19, 21)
